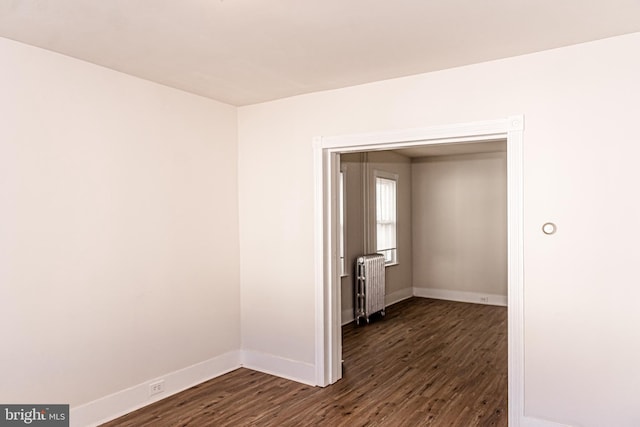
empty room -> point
(170, 226)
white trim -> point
(421, 142)
(464, 132)
(515, 269)
(380, 173)
(318, 231)
(397, 296)
(328, 333)
(293, 370)
(344, 269)
(461, 296)
(369, 219)
(347, 316)
(122, 402)
(333, 293)
(536, 422)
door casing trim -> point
(326, 153)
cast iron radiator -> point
(369, 286)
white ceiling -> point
(247, 51)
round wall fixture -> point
(549, 228)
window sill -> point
(391, 264)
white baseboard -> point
(398, 296)
(122, 402)
(279, 366)
(347, 316)
(461, 296)
(536, 422)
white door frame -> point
(328, 334)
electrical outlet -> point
(484, 299)
(156, 387)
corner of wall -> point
(125, 401)
(293, 370)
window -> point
(341, 221)
(386, 223)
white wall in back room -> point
(459, 217)
(352, 165)
(398, 277)
(360, 169)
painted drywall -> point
(360, 231)
(119, 257)
(398, 276)
(459, 217)
(582, 342)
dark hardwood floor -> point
(428, 363)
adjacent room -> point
(449, 225)
(447, 242)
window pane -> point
(386, 218)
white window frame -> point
(395, 178)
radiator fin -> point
(370, 286)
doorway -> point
(439, 215)
(327, 272)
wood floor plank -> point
(427, 363)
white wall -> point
(459, 217)
(580, 104)
(398, 279)
(360, 169)
(119, 257)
